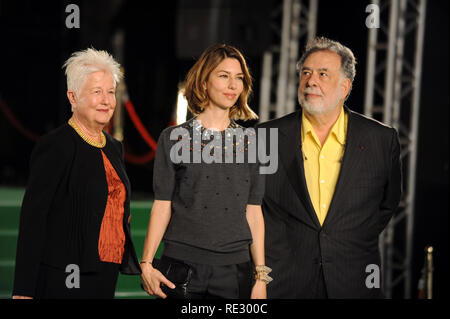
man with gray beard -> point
(338, 185)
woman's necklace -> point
(87, 139)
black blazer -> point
(63, 207)
(366, 196)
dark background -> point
(162, 40)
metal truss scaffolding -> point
(292, 23)
(392, 95)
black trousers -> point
(95, 285)
(217, 281)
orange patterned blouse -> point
(111, 243)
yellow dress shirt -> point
(322, 163)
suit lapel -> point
(290, 157)
(350, 161)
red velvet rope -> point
(139, 160)
(139, 126)
(143, 159)
(10, 116)
(134, 159)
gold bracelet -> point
(263, 268)
(262, 273)
(264, 277)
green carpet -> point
(10, 203)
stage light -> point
(181, 106)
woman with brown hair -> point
(208, 213)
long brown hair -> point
(195, 92)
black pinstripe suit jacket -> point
(366, 196)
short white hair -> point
(83, 63)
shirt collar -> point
(306, 127)
(338, 129)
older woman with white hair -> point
(74, 234)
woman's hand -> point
(21, 297)
(259, 290)
(152, 279)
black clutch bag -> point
(175, 271)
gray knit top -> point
(208, 224)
